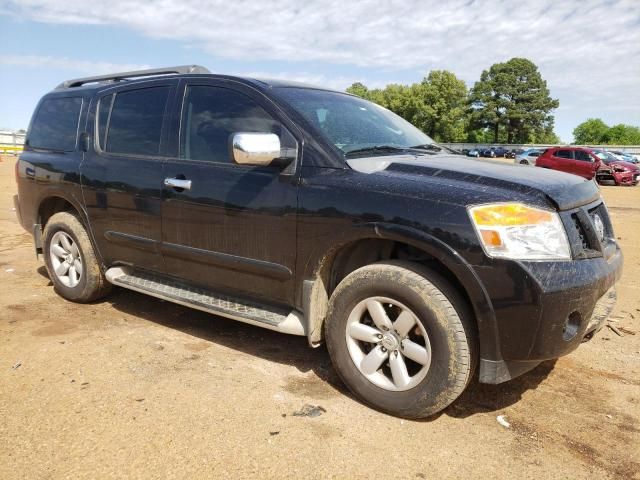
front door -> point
(121, 174)
(228, 227)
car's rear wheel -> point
(71, 261)
(401, 339)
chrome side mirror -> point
(255, 148)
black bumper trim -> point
(499, 371)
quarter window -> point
(210, 115)
(135, 124)
(55, 126)
(104, 109)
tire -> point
(439, 312)
(79, 278)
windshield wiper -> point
(376, 149)
(428, 146)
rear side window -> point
(55, 126)
(564, 154)
(583, 156)
(134, 125)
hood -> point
(566, 191)
(628, 165)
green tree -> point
(444, 98)
(592, 131)
(404, 100)
(513, 97)
(547, 136)
(623, 135)
(595, 132)
(437, 105)
(359, 89)
(479, 135)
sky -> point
(588, 51)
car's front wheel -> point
(401, 339)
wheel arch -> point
(381, 241)
(52, 202)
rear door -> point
(121, 174)
(234, 228)
(563, 160)
(585, 164)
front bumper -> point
(626, 178)
(544, 310)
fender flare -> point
(77, 204)
(447, 256)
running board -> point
(271, 318)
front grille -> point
(582, 237)
(588, 236)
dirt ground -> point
(135, 387)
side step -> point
(267, 317)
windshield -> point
(605, 157)
(351, 123)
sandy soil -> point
(136, 387)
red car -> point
(589, 163)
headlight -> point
(520, 232)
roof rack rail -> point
(183, 69)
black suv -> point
(316, 213)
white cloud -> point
(339, 82)
(63, 63)
(587, 50)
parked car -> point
(623, 156)
(488, 153)
(513, 152)
(589, 163)
(316, 213)
(527, 157)
(499, 151)
(473, 153)
(623, 173)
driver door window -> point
(565, 154)
(211, 115)
(582, 156)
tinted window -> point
(351, 123)
(210, 115)
(104, 108)
(55, 126)
(534, 154)
(135, 125)
(581, 155)
(564, 154)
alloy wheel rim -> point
(388, 344)
(65, 259)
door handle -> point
(177, 183)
